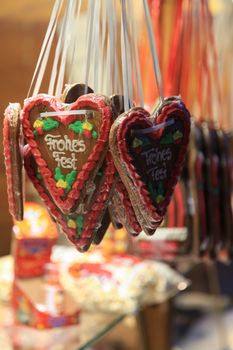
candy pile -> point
(122, 282)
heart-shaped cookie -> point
(124, 210)
(120, 207)
(12, 135)
(149, 156)
(80, 227)
(68, 142)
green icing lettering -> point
(50, 124)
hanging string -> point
(58, 51)
(103, 38)
(123, 62)
(135, 55)
(90, 40)
(112, 48)
(108, 72)
(45, 49)
(150, 89)
(69, 25)
(116, 82)
(154, 54)
(74, 42)
(96, 45)
(48, 35)
(135, 87)
(43, 64)
(127, 54)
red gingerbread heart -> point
(149, 156)
(80, 227)
(12, 134)
(68, 141)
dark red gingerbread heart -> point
(151, 155)
(67, 147)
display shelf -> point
(91, 328)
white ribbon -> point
(136, 65)
(90, 40)
(68, 27)
(96, 45)
(71, 112)
(156, 127)
(74, 42)
(103, 37)
(46, 47)
(127, 61)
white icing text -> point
(60, 146)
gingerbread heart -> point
(149, 156)
(68, 142)
(125, 211)
(120, 207)
(80, 227)
(12, 135)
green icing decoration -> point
(38, 175)
(77, 127)
(50, 124)
(94, 134)
(157, 196)
(145, 141)
(70, 179)
(136, 142)
(58, 175)
(160, 189)
(152, 191)
(177, 135)
(35, 133)
(167, 139)
(100, 173)
(160, 193)
(80, 222)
